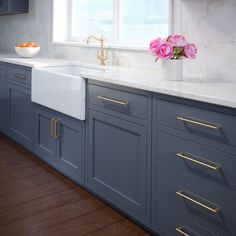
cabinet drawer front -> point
(19, 75)
(169, 222)
(208, 124)
(2, 87)
(202, 205)
(120, 101)
(3, 70)
(213, 165)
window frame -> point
(175, 21)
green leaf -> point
(178, 50)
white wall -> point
(210, 24)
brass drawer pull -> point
(19, 76)
(180, 229)
(181, 194)
(123, 103)
(200, 123)
(52, 127)
(56, 133)
(185, 157)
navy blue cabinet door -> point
(44, 141)
(118, 166)
(70, 147)
(20, 115)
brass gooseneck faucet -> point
(102, 55)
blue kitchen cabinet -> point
(8, 7)
(2, 97)
(119, 150)
(19, 107)
(20, 115)
(59, 140)
(193, 176)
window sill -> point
(107, 46)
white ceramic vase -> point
(172, 70)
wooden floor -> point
(37, 200)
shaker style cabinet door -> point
(20, 115)
(44, 141)
(70, 147)
(118, 163)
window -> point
(123, 22)
(91, 17)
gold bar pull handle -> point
(201, 163)
(52, 126)
(119, 102)
(183, 195)
(19, 76)
(56, 129)
(180, 230)
(198, 122)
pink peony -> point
(178, 40)
(155, 46)
(190, 51)
(174, 47)
(166, 51)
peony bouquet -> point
(174, 48)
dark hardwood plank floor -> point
(37, 200)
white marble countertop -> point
(34, 62)
(199, 89)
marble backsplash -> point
(207, 23)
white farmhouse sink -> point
(61, 89)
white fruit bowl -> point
(27, 52)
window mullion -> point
(69, 19)
(121, 18)
(116, 20)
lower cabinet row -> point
(130, 157)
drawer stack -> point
(194, 161)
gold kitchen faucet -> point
(101, 55)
